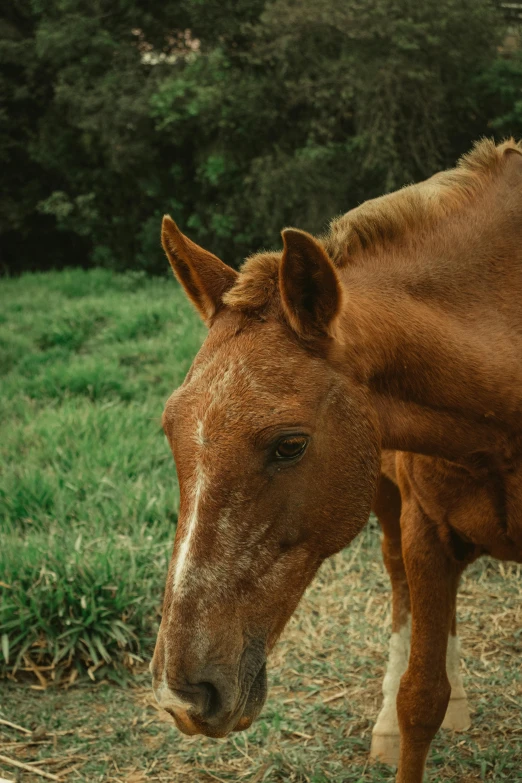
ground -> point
(87, 516)
(325, 680)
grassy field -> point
(88, 494)
(88, 504)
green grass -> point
(88, 495)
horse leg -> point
(425, 689)
(457, 715)
(386, 734)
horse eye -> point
(291, 447)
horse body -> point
(401, 330)
(439, 324)
(442, 330)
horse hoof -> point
(385, 748)
(457, 715)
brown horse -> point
(400, 330)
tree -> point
(83, 173)
(237, 116)
(315, 106)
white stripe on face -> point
(218, 390)
(183, 555)
(200, 434)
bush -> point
(69, 601)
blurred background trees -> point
(236, 116)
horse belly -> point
(489, 515)
(483, 514)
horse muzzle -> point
(215, 705)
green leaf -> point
(5, 647)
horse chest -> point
(474, 516)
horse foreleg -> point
(457, 715)
(386, 734)
(425, 689)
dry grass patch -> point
(325, 678)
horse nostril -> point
(202, 699)
(213, 701)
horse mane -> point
(380, 222)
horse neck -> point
(443, 382)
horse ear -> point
(203, 276)
(310, 288)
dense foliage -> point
(236, 116)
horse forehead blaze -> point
(241, 395)
(243, 384)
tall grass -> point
(88, 495)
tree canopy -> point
(236, 116)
